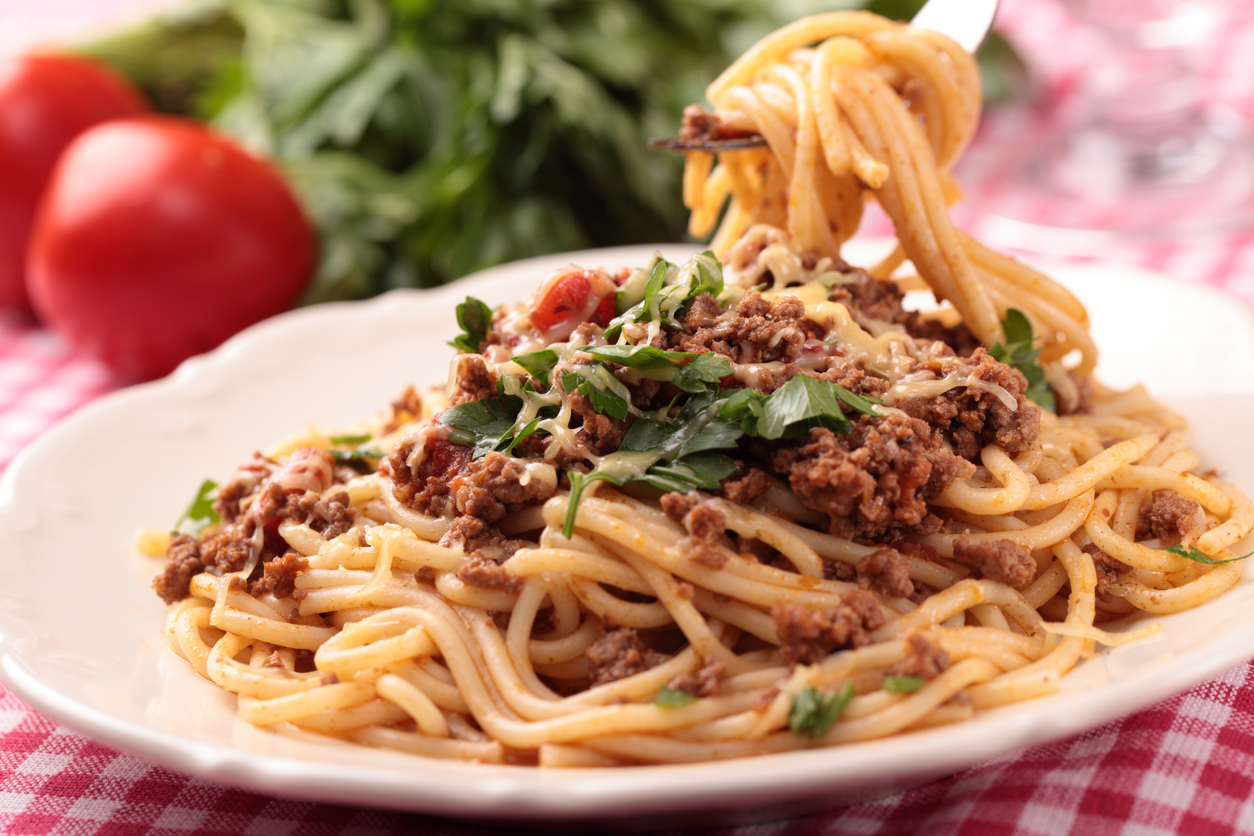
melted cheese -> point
(906, 388)
(883, 354)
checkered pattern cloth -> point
(1185, 765)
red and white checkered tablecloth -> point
(1185, 765)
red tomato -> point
(571, 296)
(45, 101)
(158, 238)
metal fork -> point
(966, 21)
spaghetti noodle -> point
(741, 505)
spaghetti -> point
(740, 505)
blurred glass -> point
(1138, 152)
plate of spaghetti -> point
(773, 524)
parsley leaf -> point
(360, 438)
(1018, 352)
(902, 684)
(642, 357)
(475, 318)
(645, 434)
(538, 363)
(200, 513)
(802, 400)
(1198, 556)
(357, 455)
(579, 481)
(603, 401)
(715, 435)
(483, 425)
(702, 470)
(668, 697)
(701, 370)
(814, 712)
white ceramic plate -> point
(81, 632)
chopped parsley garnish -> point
(1018, 352)
(668, 697)
(360, 454)
(669, 292)
(814, 712)
(641, 357)
(484, 425)
(791, 410)
(1198, 556)
(475, 318)
(602, 400)
(903, 684)
(538, 363)
(200, 513)
(360, 438)
(700, 370)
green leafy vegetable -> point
(200, 513)
(642, 357)
(483, 425)
(805, 401)
(360, 438)
(1018, 352)
(428, 139)
(903, 684)
(668, 697)
(702, 370)
(814, 712)
(538, 363)
(603, 401)
(702, 470)
(360, 454)
(474, 318)
(579, 481)
(1198, 556)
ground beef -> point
(1107, 569)
(473, 380)
(755, 331)
(618, 654)
(839, 570)
(972, 418)
(873, 480)
(405, 409)
(242, 485)
(1168, 517)
(704, 683)
(228, 548)
(807, 636)
(705, 525)
(924, 659)
(485, 572)
(476, 537)
(856, 380)
(182, 563)
(279, 576)
(425, 488)
(1082, 404)
(884, 571)
(600, 433)
(1003, 561)
(756, 549)
(699, 125)
(328, 514)
(492, 487)
(872, 301)
(746, 490)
